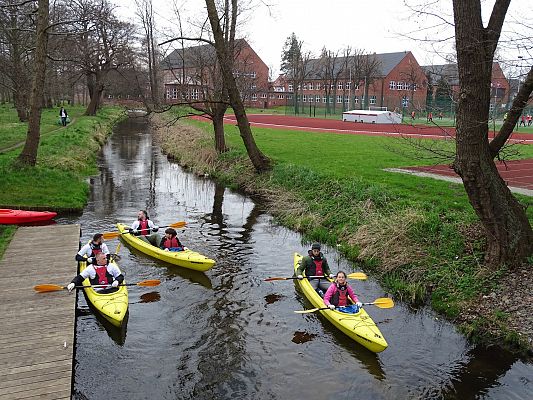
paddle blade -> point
(149, 282)
(383, 302)
(48, 288)
(276, 279)
(180, 224)
(358, 275)
(111, 235)
(306, 311)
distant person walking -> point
(430, 117)
(528, 119)
(522, 120)
(413, 115)
(63, 114)
(440, 115)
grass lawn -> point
(66, 157)
(12, 131)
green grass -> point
(12, 131)
(66, 157)
(420, 235)
(6, 233)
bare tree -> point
(145, 13)
(28, 156)
(509, 234)
(15, 27)
(225, 45)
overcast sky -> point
(380, 26)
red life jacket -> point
(174, 242)
(143, 227)
(318, 267)
(101, 274)
(340, 297)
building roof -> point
(446, 71)
(190, 57)
(387, 62)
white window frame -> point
(392, 85)
(291, 87)
(348, 85)
(372, 99)
(339, 99)
(340, 85)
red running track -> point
(358, 128)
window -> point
(372, 99)
(280, 96)
(263, 95)
(305, 86)
(340, 85)
(194, 94)
(253, 86)
(317, 99)
(324, 99)
(289, 96)
(332, 86)
(317, 86)
(291, 87)
(346, 100)
(356, 87)
(405, 101)
(174, 93)
(330, 99)
(339, 99)
(400, 85)
(392, 85)
(305, 98)
(253, 74)
(348, 84)
(356, 100)
(414, 87)
(272, 96)
(254, 96)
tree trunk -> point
(260, 162)
(28, 156)
(218, 127)
(94, 104)
(509, 235)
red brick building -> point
(397, 82)
(444, 80)
(193, 73)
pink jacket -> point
(331, 291)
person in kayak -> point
(103, 273)
(338, 294)
(142, 227)
(91, 249)
(315, 264)
(171, 242)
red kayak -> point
(14, 217)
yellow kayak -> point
(187, 258)
(359, 327)
(113, 306)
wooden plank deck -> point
(37, 329)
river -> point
(228, 334)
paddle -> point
(382, 302)
(354, 275)
(114, 235)
(54, 288)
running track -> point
(517, 174)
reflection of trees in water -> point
(222, 349)
(480, 371)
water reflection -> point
(227, 334)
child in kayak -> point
(171, 242)
(102, 273)
(338, 294)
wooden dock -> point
(37, 329)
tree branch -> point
(187, 38)
(514, 113)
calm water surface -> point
(227, 334)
